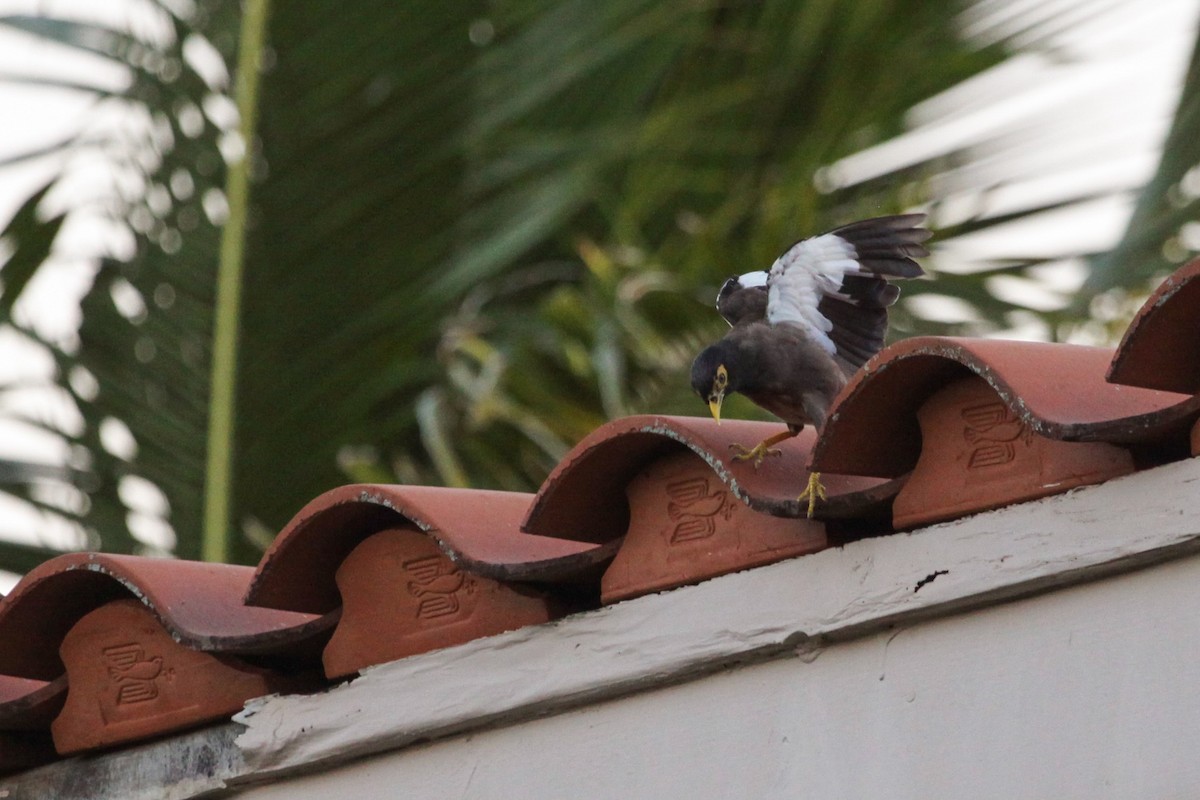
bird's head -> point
(711, 378)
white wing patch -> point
(799, 279)
(756, 278)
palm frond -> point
(473, 231)
(28, 239)
(1163, 228)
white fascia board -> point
(792, 607)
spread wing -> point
(835, 285)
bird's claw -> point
(754, 454)
(815, 490)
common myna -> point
(800, 330)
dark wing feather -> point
(741, 305)
(887, 245)
(858, 333)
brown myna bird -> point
(800, 330)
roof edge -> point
(805, 604)
(799, 603)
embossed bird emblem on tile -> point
(436, 583)
(133, 673)
(991, 430)
(694, 497)
(692, 505)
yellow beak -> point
(714, 405)
(717, 393)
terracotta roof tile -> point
(403, 595)
(130, 680)
(1057, 390)
(27, 704)
(977, 455)
(27, 708)
(584, 496)
(683, 510)
(117, 648)
(199, 603)
(685, 526)
(1161, 348)
(477, 529)
(194, 612)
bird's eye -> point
(722, 378)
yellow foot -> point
(814, 490)
(756, 453)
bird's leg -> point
(815, 489)
(763, 449)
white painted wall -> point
(1087, 692)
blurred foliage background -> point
(465, 234)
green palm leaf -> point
(28, 240)
(455, 237)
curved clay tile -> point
(685, 526)
(131, 678)
(27, 704)
(584, 497)
(402, 595)
(1059, 391)
(476, 529)
(200, 604)
(1161, 347)
(27, 707)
